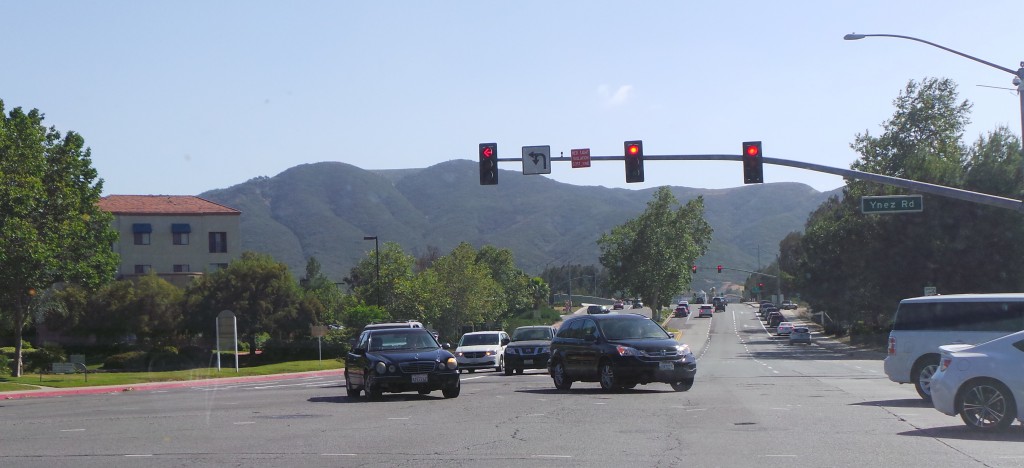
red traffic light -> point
(695, 268)
(487, 151)
(753, 150)
(632, 150)
(719, 268)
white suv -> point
(482, 350)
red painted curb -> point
(58, 392)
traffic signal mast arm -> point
(751, 272)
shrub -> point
(40, 359)
(5, 364)
(305, 349)
(123, 361)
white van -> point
(379, 326)
(922, 324)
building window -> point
(141, 233)
(218, 266)
(143, 269)
(218, 242)
(180, 233)
(182, 268)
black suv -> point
(619, 351)
(529, 349)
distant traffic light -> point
(752, 163)
(719, 268)
(634, 161)
(695, 268)
(488, 164)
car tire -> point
(351, 390)
(986, 405)
(682, 385)
(519, 370)
(501, 364)
(559, 377)
(509, 370)
(373, 392)
(607, 377)
(452, 391)
(922, 373)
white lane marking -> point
(600, 403)
(536, 414)
(338, 455)
(397, 419)
(140, 455)
(72, 430)
(239, 423)
(463, 379)
(793, 456)
(696, 409)
(551, 456)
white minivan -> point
(922, 324)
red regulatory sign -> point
(580, 157)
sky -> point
(181, 97)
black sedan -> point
(400, 360)
(619, 352)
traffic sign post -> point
(580, 157)
(536, 160)
(892, 204)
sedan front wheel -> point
(987, 405)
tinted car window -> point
(476, 340)
(589, 328)
(572, 331)
(527, 334)
(632, 330)
(401, 341)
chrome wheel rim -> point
(985, 406)
(558, 375)
(607, 376)
(925, 379)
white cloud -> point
(616, 98)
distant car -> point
(788, 305)
(597, 309)
(982, 383)
(682, 310)
(775, 318)
(400, 360)
(638, 304)
(705, 310)
(784, 328)
(620, 351)
(482, 350)
(383, 326)
(530, 348)
(800, 335)
(720, 306)
(618, 305)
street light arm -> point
(1018, 73)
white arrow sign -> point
(536, 160)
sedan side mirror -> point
(446, 346)
(359, 351)
(505, 341)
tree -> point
(320, 288)
(51, 227)
(395, 268)
(261, 292)
(513, 283)
(651, 254)
(461, 291)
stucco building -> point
(174, 236)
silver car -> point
(800, 335)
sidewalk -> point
(45, 392)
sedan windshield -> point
(632, 330)
(402, 341)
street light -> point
(376, 282)
(1018, 80)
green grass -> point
(13, 387)
(128, 378)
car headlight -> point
(683, 349)
(489, 353)
(459, 353)
(451, 363)
(380, 368)
(627, 351)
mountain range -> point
(325, 209)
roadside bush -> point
(306, 349)
(124, 361)
(194, 356)
(5, 364)
(40, 359)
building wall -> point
(162, 254)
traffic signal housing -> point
(752, 163)
(694, 268)
(634, 161)
(488, 164)
(719, 268)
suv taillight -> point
(892, 345)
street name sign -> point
(580, 157)
(536, 160)
(892, 204)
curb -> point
(115, 389)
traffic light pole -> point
(923, 187)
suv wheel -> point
(682, 385)
(922, 374)
(559, 377)
(508, 370)
(608, 381)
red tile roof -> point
(162, 205)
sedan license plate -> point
(527, 361)
(419, 378)
(668, 365)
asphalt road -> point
(757, 401)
